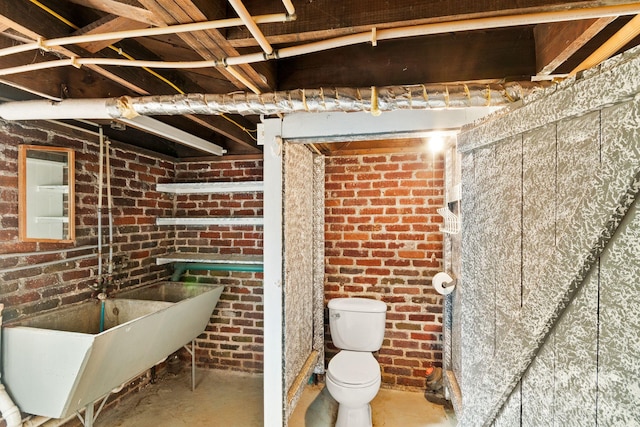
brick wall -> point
(136, 238)
(234, 338)
(383, 242)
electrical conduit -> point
(8, 409)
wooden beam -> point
(108, 23)
(401, 145)
(209, 44)
(557, 42)
(123, 8)
(302, 376)
(501, 54)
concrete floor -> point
(232, 399)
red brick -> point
(398, 175)
(352, 236)
(378, 271)
(362, 186)
(374, 159)
(424, 337)
(406, 362)
(371, 262)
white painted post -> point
(269, 136)
(319, 127)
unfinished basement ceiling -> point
(499, 53)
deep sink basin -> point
(58, 362)
(165, 291)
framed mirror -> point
(46, 194)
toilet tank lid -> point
(358, 304)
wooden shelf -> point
(211, 187)
(52, 219)
(212, 220)
(64, 189)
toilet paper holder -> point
(443, 283)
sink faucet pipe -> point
(109, 210)
(8, 409)
(100, 180)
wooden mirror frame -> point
(23, 150)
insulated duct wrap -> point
(389, 98)
(417, 97)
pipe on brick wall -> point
(8, 409)
(180, 267)
(412, 97)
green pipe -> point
(181, 267)
(102, 304)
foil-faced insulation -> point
(414, 97)
(323, 100)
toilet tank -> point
(357, 324)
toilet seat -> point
(353, 369)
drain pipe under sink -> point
(8, 409)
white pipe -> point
(109, 206)
(251, 25)
(79, 62)
(100, 180)
(8, 409)
(289, 6)
(461, 25)
(143, 32)
(365, 37)
(81, 108)
(10, 412)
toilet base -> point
(354, 417)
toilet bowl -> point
(353, 379)
(353, 376)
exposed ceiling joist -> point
(618, 41)
(107, 24)
(210, 44)
(123, 8)
(557, 42)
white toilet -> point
(353, 375)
